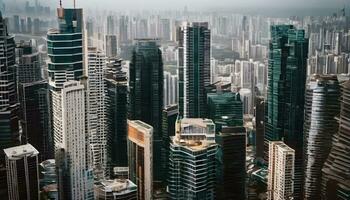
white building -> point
(96, 110)
(170, 89)
(281, 171)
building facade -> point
(192, 164)
(281, 171)
(193, 68)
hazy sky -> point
(208, 4)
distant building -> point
(231, 163)
(22, 172)
(111, 46)
(194, 68)
(29, 68)
(140, 158)
(281, 171)
(192, 164)
(117, 189)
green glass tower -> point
(225, 109)
(146, 92)
(286, 89)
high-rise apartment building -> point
(116, 114)
(75, 179)
(146, 92)
(22, 172)
(97, 110)
(9, 134)
(321, 107)
(140, 158)
(335, 172)
(285, 94)
(193, 68)
(281, 171)
(192, 164)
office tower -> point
(335, 172)
(170, 89)
(140, 158)
(35, 117)
(169, 117)
(74, 173)
(110, 25)
(117, 189)
(29, 69)
(285, 94)
(259, 126)
(225, 109)
(9, 106)
(321, 108)
(146, 92)
(116, 114)
(111, 46)
(97, 110)
(194, 68)
(69, 99)
(281, 171)
(89, 32)
(22, 172)
(231, 163)
(192, 164)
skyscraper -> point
(194, 68)
(116, 114)
(281, 171)
(35, 117)
(321, 108)
(140, 158)
(170, 115)
(146, 92)
(285, 97)
(97, 110)
(231, 172)
(192, 165)
(335, 172)
(29, 69)
(9, 134)
(75, 179)
(22, 172)
(69, 101)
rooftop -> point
(119, 186)
(18, 152)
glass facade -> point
(285, 97)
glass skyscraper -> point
(146, 92)
(285, 97)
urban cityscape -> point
(179, 100)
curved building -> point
(321, 108)
(336, 170)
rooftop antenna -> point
(60, 3)
(74, 4)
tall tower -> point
(194, 68)
(285, 97)
(281, 171)
(192, 165)
(97, 110)
(335, 173)
(321, 108)
(69, 105)
(140, 156)
(9, 133)
(22, 172)
(146, 92)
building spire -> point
(60, 3)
